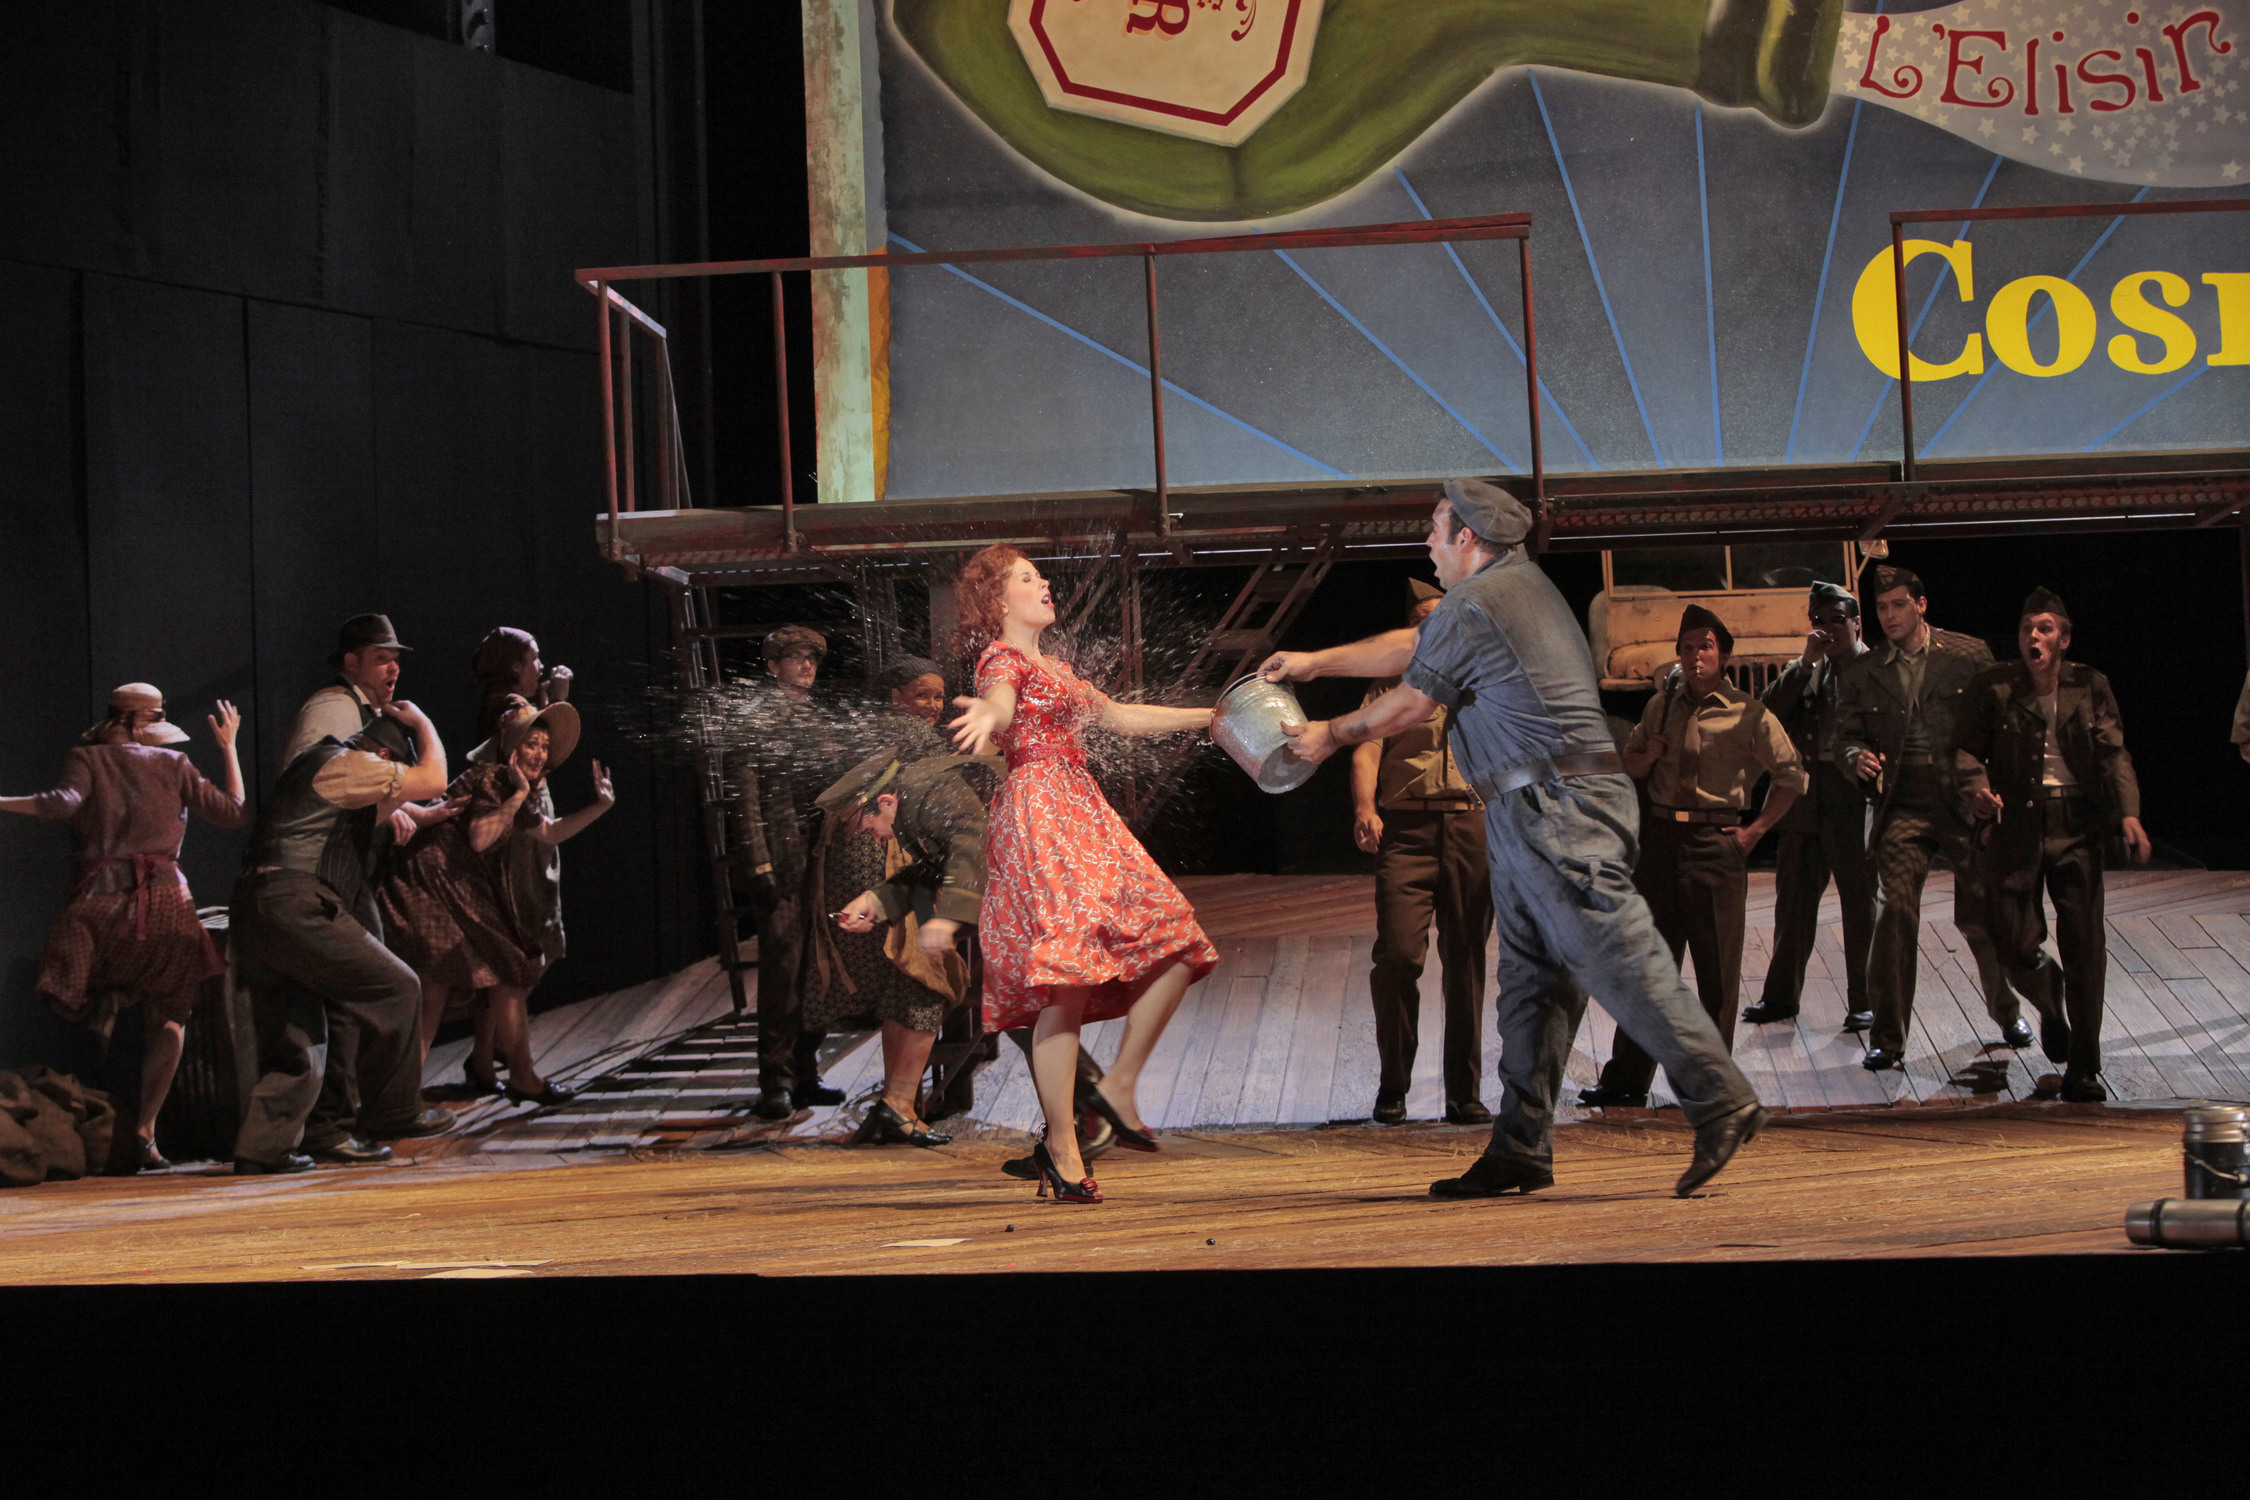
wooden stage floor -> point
(1263, 1081)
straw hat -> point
(519, 718)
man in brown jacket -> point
(2046, 779)
(1899, 706)
(1425, 827)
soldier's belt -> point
(2059, 794)
(1697, 815)
(1429, 805)
(1548, 768)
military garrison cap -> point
(1888, 578)
(387, 733)
(1832, 593)
(2045, 601)
(860, 785)
(1696, 617)
(1491, 512)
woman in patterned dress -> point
(1078, 923)
(130, 934)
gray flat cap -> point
(1492, 513)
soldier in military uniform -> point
(1825, 833)
(1897, 710)
(931, 824)
(1425, 827)
(2047, 779)
(1701, 745)
(783, 755)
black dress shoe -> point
(291, 1161)
(773, 1104)
(2016, 1034)
(2054, 1038)
(1467, 1112)
(1883, 1057)
(816, 1092)
(1390, 1109)
(351, 1151)
(1859, 1020)
(1602, 1096)
(1715, 1144)
(550, 1094)
(1490, 1176)
(1765, 1012)
(2077, 1088)
(431, 1121)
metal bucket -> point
(2215, 1147)
(1248, 724)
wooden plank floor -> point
(1282, 1033)
(1999, 1180)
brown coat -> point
(1873, 712)
(2002, 738)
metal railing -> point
(618, 457)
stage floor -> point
(1263, 1082)
(2000, 1180)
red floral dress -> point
(1072, 899)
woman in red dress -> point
(1078, 923)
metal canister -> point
(2215, 1148)
(1250, 724)
(2178, 1224)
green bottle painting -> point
(1246, 109)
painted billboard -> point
(1710, 182)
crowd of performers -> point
(380, 895)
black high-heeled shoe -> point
(550, 1094)
(886, 1126)
(1085, 1190)
(1126, 1135)
(479, 1088)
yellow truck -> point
(1759, 590)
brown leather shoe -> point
(1715, 1145)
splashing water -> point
(2147, 94)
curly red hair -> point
(980, 597)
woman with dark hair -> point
(1078, 923)
(449, 909)
(913, 687)
(130, 934)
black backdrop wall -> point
(288, 334)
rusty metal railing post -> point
(781, 409)
(629, 419)
(1531, 373)
(1905, 367)
(609, 414)
(1156, 402)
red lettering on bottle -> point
(2031, 76)
(2099, 80)
(2177, 35)
(1994, 97)
(1167, 16)
(2062, 89)
(2148, 71)
(1908, 79)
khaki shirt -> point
(1740, 739)
(1418, 763)
(359, 778)
(337, 711)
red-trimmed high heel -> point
(1086, 1190)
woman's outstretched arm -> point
(1149, 718)
(982, 718)
(556, 830)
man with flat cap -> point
(783, 753)
(1415, 814)
(1561, 829)
(1897, 709)
(1825, 833)
(2048, 782)
(1701, 746)
(308, 943)
(924, 826)
(366, 660)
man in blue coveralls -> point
(1562, 828)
